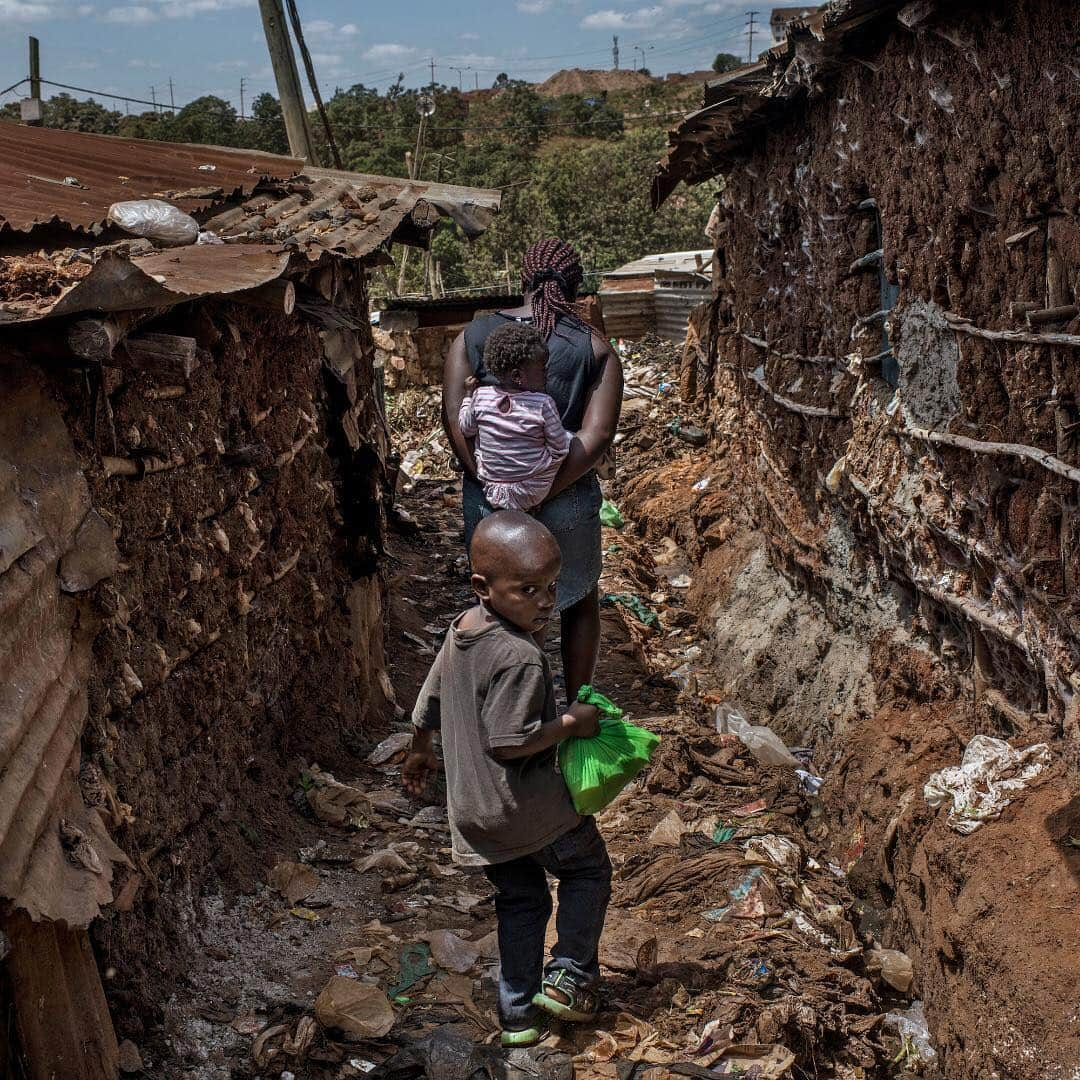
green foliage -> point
(266, 128)
(725, 61)
(209, 120)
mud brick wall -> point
(878, 595)
(241, 634)
(953, 150)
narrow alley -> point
(734, 946)
(791, 384)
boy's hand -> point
(420, 766)
(583, 720)
(471, 383)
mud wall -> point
(877, 591)
(241, 632)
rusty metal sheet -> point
(117, 282)
(55, 856)
(35, 162)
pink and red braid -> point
(551, 270)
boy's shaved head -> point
(511, 542)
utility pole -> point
(432, 76)
(287, 77)
(35, 68)
(153, 98)
(750, 34)
(172, 100)
(30, 112)
(242, 80)
(615, 50)
(459, 70)
(309, 67)
(477, 80)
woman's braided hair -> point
(551, 271)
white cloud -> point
(534, 7)
(145, 65)
(21, 11)
(141, 14)
(469, 37)
(641, 19)
(136, 15)
(349, 30)
(389, 51)
(319, 28)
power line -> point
(100, 93)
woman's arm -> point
(600, 422)
(455, 372)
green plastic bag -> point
(610, 516)
(597, 769)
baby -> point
(520, 440)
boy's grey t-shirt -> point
(488, 689)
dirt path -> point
(708, 943)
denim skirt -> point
(572, 517)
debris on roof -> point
(742, 104)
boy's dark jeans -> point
(579, 860)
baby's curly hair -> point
(510, 346)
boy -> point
(491, 695)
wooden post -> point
(57, 1005)
(166, 354)
(287, 78)
(96, 338)
(35, 68)
(278, 296)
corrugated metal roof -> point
(679, 262)
(70, 178)
(274, 205)
(120, 282)
(743, 103)
(36, 162)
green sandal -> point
(513, 1038)
(580, 1006)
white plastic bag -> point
(911, 1027)
(768, 748)
(981, 786)
(155, 220)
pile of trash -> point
(414, 416)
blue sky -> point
(207, 46)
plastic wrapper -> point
(597, 769)
(911, 1026)
(893, 966)
(767, 747)
(983, 784)
(155, 220)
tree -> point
(266, 128)
(725, 61)
(209, 120)
(64, 111)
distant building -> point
(781, 16)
